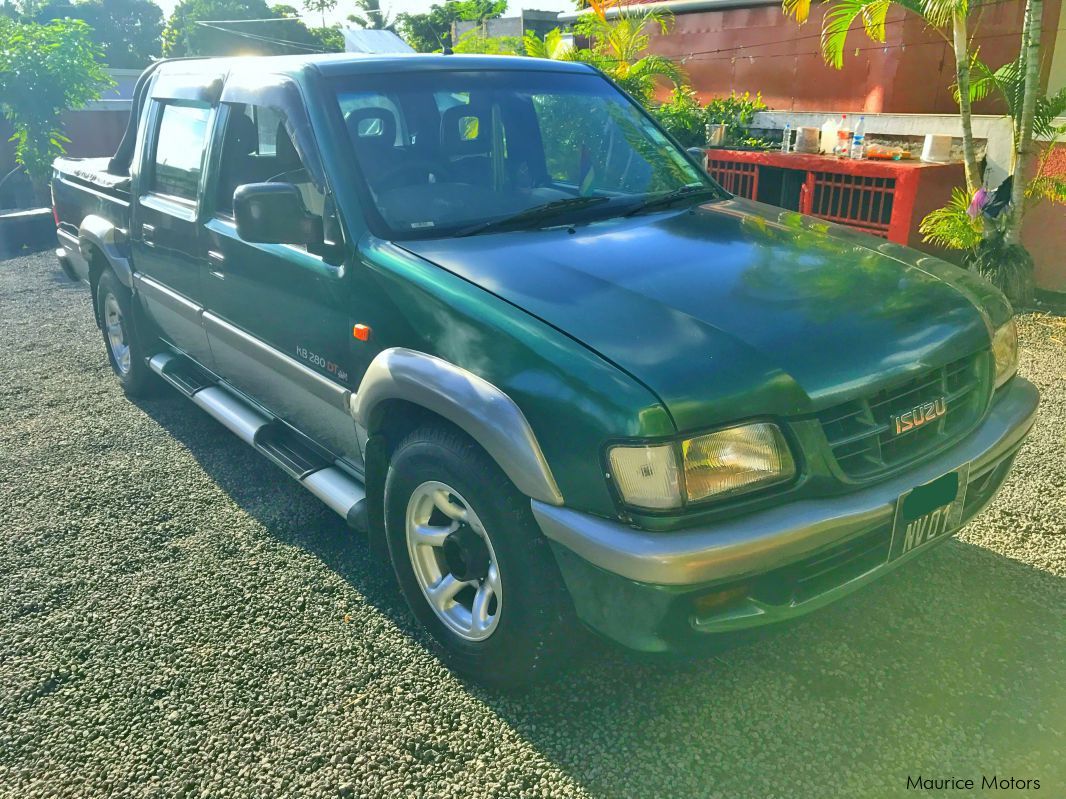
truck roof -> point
(354, 63)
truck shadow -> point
(954, 664)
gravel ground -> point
(177, 618)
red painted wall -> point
(1044, 233)
(759, 49)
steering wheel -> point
(413, 170)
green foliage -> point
(474, 41)
(551, 46)
(984, 246)
(431, 31)
(44, 71)
(951, 227)
(330, 39)
(623, 37)
(184, 37)
(127, 31)
(1008, 266)
(683, 117)
(736, 112)
(617, 49)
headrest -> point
(373, 126)
(241, 135)
(463, 129)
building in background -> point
(539, 22)
(357, 40)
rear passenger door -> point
(277, 316)
(166, 225)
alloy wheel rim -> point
(453, 561)
(115, 329)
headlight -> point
(723, 463)
(736, 460)
(1005, 348)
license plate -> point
(929, 512)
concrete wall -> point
(540, 22)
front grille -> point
(861, 434)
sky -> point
(393, 7)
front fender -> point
(470, 402)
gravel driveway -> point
(178, 618)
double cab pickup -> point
(491, 314)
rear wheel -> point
(125, 351)
(470, 560)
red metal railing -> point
(885, 198)
(858, 201)
(736, 178)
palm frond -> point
(800, 9)
(1047, 187)
(1048, 110)
(951, 227)
(838, 22)
(940, 12)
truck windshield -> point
(461, 153)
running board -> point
(335, 486)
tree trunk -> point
(1034, 11)
(960, 41)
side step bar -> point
(335, 486)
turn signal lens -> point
(647, 476)
(736, 460)
(1005, 349)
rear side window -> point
(179, 150)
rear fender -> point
(97, 233)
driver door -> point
(277, 316)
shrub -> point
(683, 117)
(44, 71)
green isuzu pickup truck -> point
(496, 318)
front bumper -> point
(638, 586)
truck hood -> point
(732, 309)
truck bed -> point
(82, 187)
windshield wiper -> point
(534, 214)
(685, 192)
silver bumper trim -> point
(771, 538)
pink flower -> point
(979, 201)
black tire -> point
(133, 372)
(535, 614)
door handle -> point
(217, 261)
(148, 234)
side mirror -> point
(274, 213)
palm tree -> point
(617, 47)
(372, 16)
(841, 17)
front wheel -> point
(471, 562)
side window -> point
(179, 150)
(257, 148)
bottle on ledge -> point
(786, 140)
(843, 138)
(858, 140)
